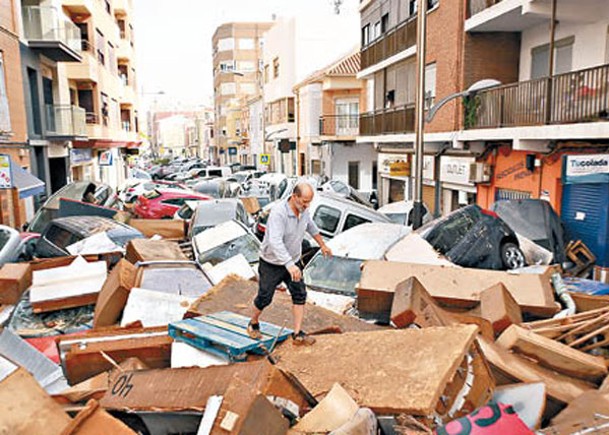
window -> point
(5, 116)
(174, 201)
(108, 6)
(123, 74)
(266, 73)
(365, 35)
(246, 66)
(563, 58)
(226, 44)
(247, 44)
(85, 44)
(430, 85)
(60, 237)
(327, 218)
(111, 59)
(227, 65)
(122, 27)
(384, 23)
(353, 221)
(105, 109)
(247, 88)
(376, 30)
(228, 89)
(275, 67)
(100, 45)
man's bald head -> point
(302, 195)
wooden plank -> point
(560, 387)
(462, 286)
(113, 296)
(499, 307)
(166, 228)
(584, 327)
(585, 302)
(15, 279)
(553, 354)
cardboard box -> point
(166, 228)
(153, 250)
(15, 278)
(411, 371)
(114, 294)
(499, 307)
(412, 304)
(251, 204)
(459, 287)
(26, 409)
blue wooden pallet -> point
(225, 334)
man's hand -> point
(327, 252)
(295, 273)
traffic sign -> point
(265, 159)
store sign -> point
(386, 160)
(265, 159)
(429, 168)
(6, 176)
(590, 168)
(80, 155)
(456, 170)
(399, 169)
(106, 158)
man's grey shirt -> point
(282, 244)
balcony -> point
(398, 120)
(48, 31)
(345, 127)
(65, 122)
(395, 41)
(85, 71)
(78, 7)
(574, 97)
(124, 51)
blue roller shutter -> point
(585, 214)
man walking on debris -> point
(280, 258)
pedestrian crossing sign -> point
(265, 159)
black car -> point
(474, 237)
(63, 232)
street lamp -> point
(480, 85)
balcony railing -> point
(477, 6)
(339, 125)
(396, 40)
(398, 120)
(43, 25)
(579, 96)
(65, 121)
(92, 118)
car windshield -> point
(212, 189)
(247, 245)
(27, 324)
(333, 274)
(185, 212)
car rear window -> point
(152, 194)
(353, 221)
(327, 218)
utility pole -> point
(418, 210)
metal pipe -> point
(563, 295)
(418, 210)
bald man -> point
(280, 259)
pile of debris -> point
(150, 342)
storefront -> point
(585, 205)
(81, 162)
(458, 190)
(394, 174)
(429, 182)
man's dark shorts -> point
(271, 276)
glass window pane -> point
(327, 218)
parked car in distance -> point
(340, 272)
(104, 196)
(400, 212)
(130, 194)
(164, 203)
(63, 232)
(474, 237)
(214, 212)
(332, 213)
(343, 189)
(215, 187)
(224, 241)
(16, 246)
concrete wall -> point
(362, 153)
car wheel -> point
(512, 256)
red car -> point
(163, 203)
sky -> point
(173, 40)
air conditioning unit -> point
(480, 173)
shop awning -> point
(26, 183)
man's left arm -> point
(314, 232)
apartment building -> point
(237, 56)
(16, 191)
(294, 48)
(328, 104)
(545, 132)
(104, 84)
